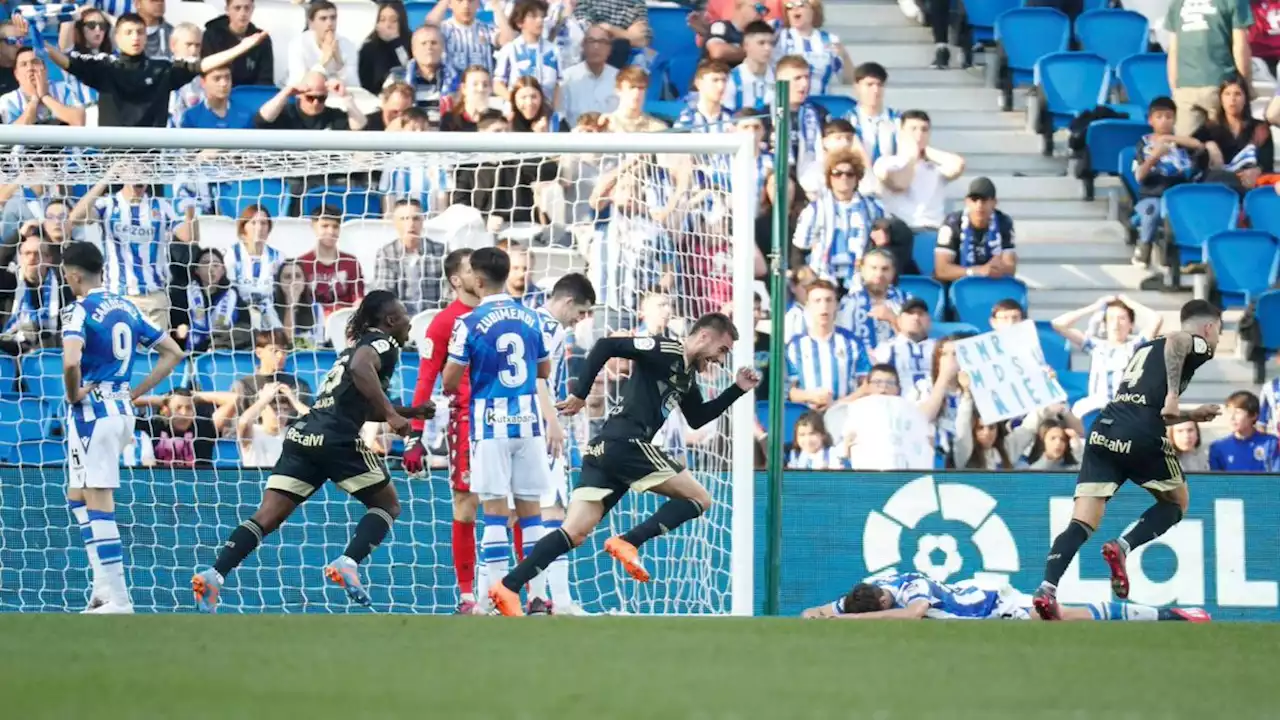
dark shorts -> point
(1114, 454)
(304, 467)
(611, 467)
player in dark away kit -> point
(1128, 442)
(325, 444)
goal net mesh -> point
(652, 232)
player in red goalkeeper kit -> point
(457, 269)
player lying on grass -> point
(325, 444)
(621, 457)
(912, 596)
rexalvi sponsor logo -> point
(952, 532)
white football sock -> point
(106, 544)
(558, 574)
(531, 531)
(495, 553)
(81, 515)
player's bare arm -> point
(1177, 347)
(364, 367)
(915, 610)
(171, 353)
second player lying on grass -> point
(912, 596)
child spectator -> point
(271, 349)
(813, 448)
(942, 395)
(183, 435)
(1056, 447)
(1108, 357)
(468, 41)
(982, 446)
(463, 112)
(294, 307)
(334, 275)
(1245, 449)
(531, 111)
(1006, 313)
(750, 86)
(251, 263)
(875, 125)
(386, 50)
(823, 364)
(529, 54)
(260, 429)
(630, 116)
(1163, 160)
(801, 35)
(1192, 455)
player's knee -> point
(1181, 502)
(576, 536)
(392, 507)
(465, 507)
(703, 499)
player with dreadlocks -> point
(325, 444)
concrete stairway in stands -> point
(1071, 252)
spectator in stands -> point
(260, 428)
(21, 203)
(1057, 446)
(707, 112)
(1108, 356)
(518, 286)
(1185, 438)
(1208, 43)
(256, 67)
(813, 448)
(1264, 35)
(1163, 160)
(801, 35)
(528, 54)
(724, 37)
(591, 85)
(31, 297)
(982, 446)
(251, 263)
(294, 309)
(469, 41)
(822, 364)
(630, 115)
(941, 397)
(158, 30)
(913, 183)
(321, 49)
(310, 111)
(472, 101)
(427, 183)
(215, 316)
(1245, 449)
(654, 316)
(795, 321)
(750, 84)
(385, 52)
(531, 111)
(1006, 313)
(393, 100)
(88, 35)
(271, 350)
(184, 433)
(412, 265)
(910, 351)
(875, 125)
(10, 39)
(626, 21)
(333, 275)
(134, 89)
(216, 110)
(53, 229)
(977, 241)
(432, 80)
(837, 136)
(869, 310)
(832, 233)
(38, 101)
(184, 42)
(1237, 142)
(807, 117)
(749, 121)
(631, 252)
(511, 191)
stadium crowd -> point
(866, 185)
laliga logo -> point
(918, 500)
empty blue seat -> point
(1076, 385)
(218, 371)
(252, 97)
(943, 329)
(8, 376)
(673, 73)
(1072, 83)
(1026, 35)
(41, 452)
(1112, 34)
(1195, 212)
(1106, 140)
(417, 13)
(922, 247)
(143, 364)
(925, 288)
(310, 366)
(981, 16)
(235, 196)
(354, 202)
(669, 28)
(1268, 314)
(1089, 418)
(667, 110)
(1262, 207)
(1144, 78)
(1244, 264)
(838, 105)
(23, 420)
(973, 297)
(1057, 353)
(226, 453)
(41, 373)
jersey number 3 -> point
(516, 373)
(1133, 373)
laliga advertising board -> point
(997, 527)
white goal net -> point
(265, 238)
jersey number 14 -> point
(1133, 373)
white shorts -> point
(1012, 605)
(94, 461)
(558, 492)
(516, 467)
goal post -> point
(174, 517)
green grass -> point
(306, 667)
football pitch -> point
(610, 668)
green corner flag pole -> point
(777, 359)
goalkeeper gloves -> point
(412, 458)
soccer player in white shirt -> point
(571, 300)
(822, 363)
(529, 54)
(751, 85)
(1109, 357)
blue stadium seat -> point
(665, 110)
(669, 28)
(41, 373)
(1076, 384)
(354, 202)
(981, 16)
(235, 196)
(973, 297)
(8, 376)
(838, 105)
(310, 366)
(226, 454)
(1196, 211)
(1125, 163)
(1072, 83)
(143, 363)
(1268, 315)
(417, 13)
(252, 97)
(672, 74)
(1106, 140)
(1262, 207)
(1057, 353)
(943, 329)
(1112, 34)
(42, 452)
(218, 371)
(23, 420)
(1244, 264)
(925, 288)
(791, 412)
(922, 247)
(1144, 78)
(1025, 35)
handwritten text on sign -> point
(1007, 373)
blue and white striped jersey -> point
(556, 338)
(795, 323)
(520, 58)
(1107, 363)
(745, 89)
(854, 315)
(830, 364)
(501, 343)
(820, 49)
(14, 103)
(111, 330)
(254, 276)
(1269, 413)
(693, 120)
(135, 243)
(877, 133)
(825, 459)
(467, 45)
(405, 178)
(913, 361)
(946, 602)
